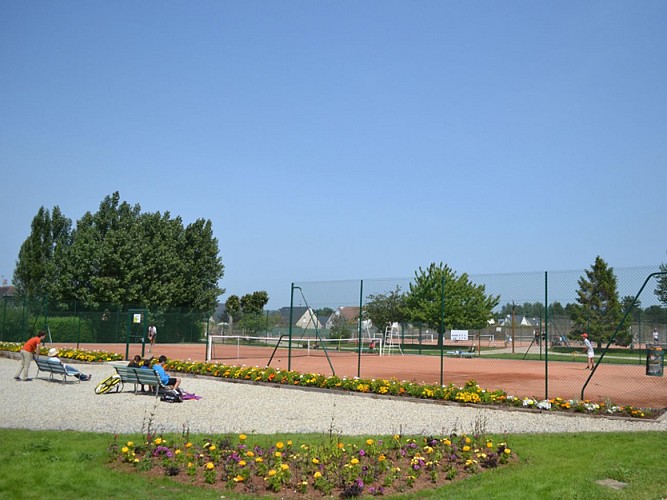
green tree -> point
(248, 311)
(635, 311)
(655, 315)
(340, 328)
(598, 309)
(466, 305)
(202, 266)
(104, 259)
(36, 272)
(119, 255)
(253, 303)
(534, 310)
(383, 309)
(233, 308)
(324, 312)
(661, 289)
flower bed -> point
(68, 353)
(344, 469)
(470, 393)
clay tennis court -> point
(620, 384)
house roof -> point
(348, 312)
(297, 313)
(7, 291)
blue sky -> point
(348, 139)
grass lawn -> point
(66, 465)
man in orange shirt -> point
(30, 350)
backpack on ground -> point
(171, 396)
(111, 384)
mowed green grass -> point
(67, 465)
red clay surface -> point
(620, 384)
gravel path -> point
(237, 407)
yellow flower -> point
(238, 479)
(189, 464)
(210, 466)
(284, 466)
(243, 437)
(316, 460)
(507, 451)
(280, 445)
(136, 460)
(289, 442)
(467, 440)
(177, 452)
(124, 449)
(188, 444)
(278, 454)
(354, 461)
(317, 475)
(381, 458)
(211, 448)
(272, 472)
(369, 442)
(158, 441)
(130, 444)
(465, 448)
(242, 463)
(341, 446)
(446, 442)
(250, 453)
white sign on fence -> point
(459, 334)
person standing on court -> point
(152, 336)
(590, 353)
(656, 336)
(30, 350)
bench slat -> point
(140, 376)
(44, 365)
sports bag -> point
(171, 396)
(111, 384)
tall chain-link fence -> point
(21, 317)
(532, 346)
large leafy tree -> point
(36, 271)
(467, 306)
(103, 264)
(383, 309)
(119, 255)
(598, 310)
(202, 266)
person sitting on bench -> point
(53, 358)
(164, 376)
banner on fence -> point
(459, 334)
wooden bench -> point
(140, 376)
(44, 365)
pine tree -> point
(598, 309)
